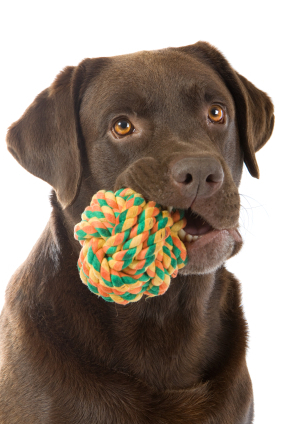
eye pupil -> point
(123, 125)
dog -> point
(175, 125)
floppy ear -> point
(254, 109)
(45, 139)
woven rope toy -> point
(130, 248)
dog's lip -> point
(198, 232)
(210, 236)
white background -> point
(39, 38)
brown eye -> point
(123, 127)
(216, 114)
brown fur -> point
(67, 356)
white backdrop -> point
(40, 38)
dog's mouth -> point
(195, 228)
(207, 247)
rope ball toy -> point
(130, 247)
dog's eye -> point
(123, 127)
(216, 114)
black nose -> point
(197, 176)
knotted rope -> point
(130, 247)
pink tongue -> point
(196, 226)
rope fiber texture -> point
(130, 247)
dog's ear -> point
(254, 109)
(45, 139)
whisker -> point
(247, 211)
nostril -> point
(216, 177)
(189, 179)
(210, 179)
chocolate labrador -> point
(176, 126)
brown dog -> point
(175, 125)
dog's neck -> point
(179, 329)
(174, 328)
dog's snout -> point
(198, 176)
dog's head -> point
(175, 125)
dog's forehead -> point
(147, 67)
(160, 75)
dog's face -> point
(170, 133)
(175, 125)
